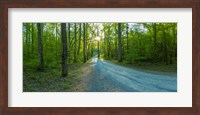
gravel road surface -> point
(105, 76)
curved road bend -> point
(105, 76)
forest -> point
(53, 53)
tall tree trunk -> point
(109, 43)
(115, 51)
(165, 58)
(86, 40)
(140, 52)
(91, 44)
(75, 43)
(127, 47)
(105, 44)
(98, 50)
(155, 43)
(57, 44)
(28, 39)
(173, 45)
(132, 53)
(64, 50)
(32, 38)
(84, 43)
(119, 43)
(40, 48)
(79, 41)
(91, 49)
(69, 40)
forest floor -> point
(107, 76)
(50, 79)
(157, 68)
(102, 76)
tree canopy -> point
(48, 45)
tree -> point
(174, 46)
(64, 50)
(165, 56)
(40, 48)
(26, 26)
(32, 49)
(155, 42)
(127, 47)
(109, 41)
(84, 43)
(79, 41)
(132, 43)
(75, 60)
(69, 38)
(56, 43)
(28, 38)
(119, 43)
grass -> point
(50, 80)
(150, 67)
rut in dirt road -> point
(108, 77)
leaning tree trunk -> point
(40, 48)
(64, 50)
(119, 43)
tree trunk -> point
(105, 39)
(75, 43)
(109, 43)
(32, 38)
(69, 40)
(64, 50)
(165, 58)
(119, 43)
(28, 39)
(40, 48)
(140, 53)
(91, 50)
(84, 44)
(79, 41)
(57, 44)
(173, 46)
(91, 44)
(155, 43)
(98, 51)
(127, 47)
(115, 50)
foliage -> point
(134, 43)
